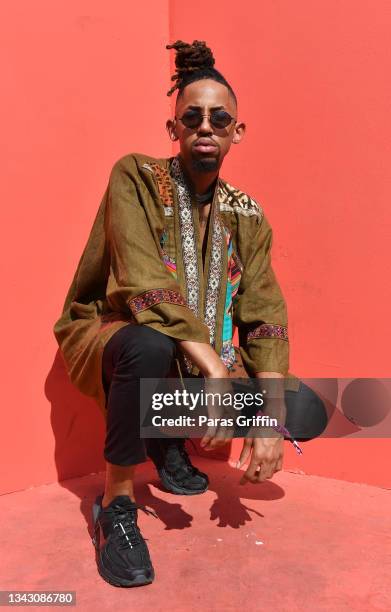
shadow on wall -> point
(77, 423)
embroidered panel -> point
(235, 269)
(227, 353)
(164, 185)
(235, 273)
(155, 296)
(232, 200)
(189, 248)
(268, 330)
(214, 277)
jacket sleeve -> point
(139, 282)
(259, 308)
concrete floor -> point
(297, 542)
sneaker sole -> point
(139, 580)
(171, 487)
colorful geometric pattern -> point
(214, 276)
(235, 273)
(164, 184)
(227, 353)
(155, 296)
(268, 330)
(169, 263)
(167, 260)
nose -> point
(205, 127)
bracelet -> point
(283, 430)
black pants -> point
(133, 352)
(138, 351)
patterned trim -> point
(232, 200)
(164, 184)
(189, 249)
(155, 296)
(227, 353)
(235, 273)
(268, 330)
(214, 277)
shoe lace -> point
(125, 522)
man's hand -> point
(218, 434)
(266, 453)
(266, 458)
(213, 369)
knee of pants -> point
(306, 414)
(156, 345)
(151, 352)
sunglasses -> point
(218, 118)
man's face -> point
(203, 148)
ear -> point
(239, 131)
(170, 127)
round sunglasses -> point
(218, 118)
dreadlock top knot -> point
(189, 59)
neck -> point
(199, 182)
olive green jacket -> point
(143, 265)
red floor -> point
(295, 543)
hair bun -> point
(189, 58)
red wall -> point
(82, 86)
(84, 83)
(313, 86)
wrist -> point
(215, 370)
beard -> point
(204, 164)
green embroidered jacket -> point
(142, 264)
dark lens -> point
(192, 118)
(220, 118)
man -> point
(176, 258)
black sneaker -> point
(123, 560)
(177, 473)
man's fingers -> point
(213, 439)
(266, 471)
(248, 478)
(208, 436)
(246, 449)
(250, 474)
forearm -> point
(204, 357)
(268, 375)
(275, 396)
